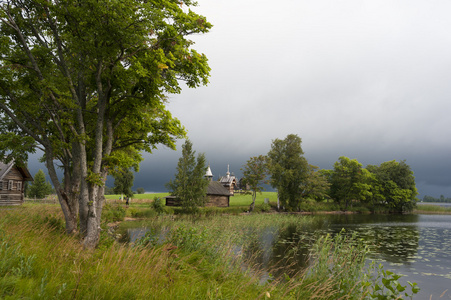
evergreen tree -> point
(190, 184)
(40, 188)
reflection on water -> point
(417, 246)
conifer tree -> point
(40, 188)
(190, 184)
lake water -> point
(416, 246)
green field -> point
(236, 200)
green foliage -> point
(393, 186)
(340, 261)
(150, 239)
(88, 82)
(441, 199)
(264, 207)
(40, 188)
(309, 205)
(123, 182)
(190, 184)
(140, 190)
(113, 213)
(109, 190)
(254, 175)
(315, 186)
(388, 286)
(389, 187)
(158, 205)
(430, 208)
(288, 169)
(199, 260)
(348, 182)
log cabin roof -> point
(216, 188)
(5, 168)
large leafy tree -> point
(288, 169)
(316, 185)
(86, 82)
(40, 188)
(190, 184)
(254, 175)
(349, 182)
(123, 182)
(395, 185)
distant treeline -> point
(441, 199)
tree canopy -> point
(123, 182)
(394, 185)
(87, 83)
(288, 169)
(348, 182)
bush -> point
(264, 207)
(113, 213)
(158, 205)
(309, 205)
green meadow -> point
(236, 200)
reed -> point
(432, 209)
(201, 258)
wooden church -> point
(217, 194)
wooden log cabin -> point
(12, 181)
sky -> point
(369, 80)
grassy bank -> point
(239, 203)
(198, 260)
(432, 209)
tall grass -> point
(57, 267)
(202, 258)
(431, 209)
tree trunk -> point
(69, 211)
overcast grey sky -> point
(369, 80)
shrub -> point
(309, 205)
(113, 213)
(264, 207)
(158, 205)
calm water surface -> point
(416, 246)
